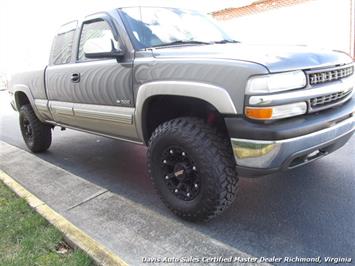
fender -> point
(216, 96)
(26, 90)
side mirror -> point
(101, 47)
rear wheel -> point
(192, 168)
(37, 135)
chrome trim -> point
(326, 75)
(302, 95)
(343, 100)
(268, 154)
(328, 68)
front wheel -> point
(192, 168)
(37, 135)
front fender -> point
(216, 96)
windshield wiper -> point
(179, 42)
(225, 41)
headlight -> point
(276, 82)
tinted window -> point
(62, 48)
(93, 30)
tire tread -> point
(206, 140)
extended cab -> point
(208, 107)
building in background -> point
(320, 23)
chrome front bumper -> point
(260, 157)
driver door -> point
(103, 96)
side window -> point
(93, 30)
(62, 48)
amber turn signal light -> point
(258, 113)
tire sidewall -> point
(24, 115)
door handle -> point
(75, 77)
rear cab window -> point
(61, 52)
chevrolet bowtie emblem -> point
(179, 173)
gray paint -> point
(29, 80)
(58, 84)
(104, 100)
(275, 58)
(230, 75)
(103, 82)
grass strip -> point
(26, 238)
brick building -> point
(320, 23)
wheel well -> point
(21, 99)
(162, 108)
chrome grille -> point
(328, 99)
(330, 75)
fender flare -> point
(26, 90)
(216, 96)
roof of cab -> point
(111, 7)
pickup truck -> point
(208, 107)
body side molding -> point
(114, 114)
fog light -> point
(276, 112)
(248, 150)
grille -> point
(329, 99)
(330, 75)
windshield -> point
(156, 26)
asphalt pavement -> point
(306, 212)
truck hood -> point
(274, 58)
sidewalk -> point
(126, 228)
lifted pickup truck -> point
(208, 107)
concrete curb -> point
(99, 253)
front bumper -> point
(262, 154)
